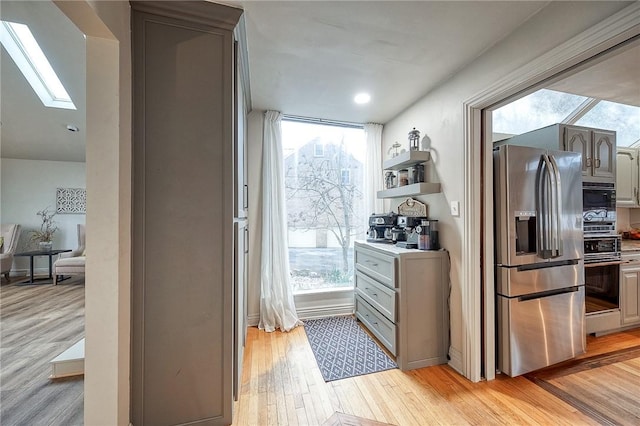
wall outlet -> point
(455, 208)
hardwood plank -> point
(37, 323)
(433, 395)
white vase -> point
(45, 245)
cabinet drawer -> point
(377, 324)
(378, 295)
(376, 265)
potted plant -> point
(44, 236)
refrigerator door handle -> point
(551, 207)
(545, 204)
(541, 245)
(548, 293)
(557, 211)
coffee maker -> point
(380, 226)
(408, 225)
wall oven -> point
(602, 259)
(599, 207)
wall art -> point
(71, 200)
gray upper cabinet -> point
(597, 147)
(183, 210)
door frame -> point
(478, 296)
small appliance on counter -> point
(408, 230)
(428, 235)
(380, 226)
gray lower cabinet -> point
(401, 297)
(630, 292)
(183, 292)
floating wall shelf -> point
(409, 190)
(406, 159)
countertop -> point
(630, 245)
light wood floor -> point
(281, 382)
(37, 323)
(282, 385)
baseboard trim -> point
(455, 361)
(325, 311)
(311, 313)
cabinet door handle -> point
(597, 163)
(589, 162)
(371, 262)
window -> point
(23, 48)
(539, 109)
(546, 107)
(345, 176)
(624, 119)
(325, 209)
(318, 150)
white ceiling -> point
(306, 58)
(29, 129)
(616, 78)
(311, 58)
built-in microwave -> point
(599, 207)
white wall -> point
(29, 186)
(108, 276)
(254, 160)
(439, 116)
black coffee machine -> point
(408, 237)
(380, 226)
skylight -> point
(546, 107)
(23, 48)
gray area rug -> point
(343, 349)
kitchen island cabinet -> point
(401, 297)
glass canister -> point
(403, 177)
(416, 174)
(390, 180)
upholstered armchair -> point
(71, 263)
(79, 251)
(10, 234)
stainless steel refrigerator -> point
(539, 257)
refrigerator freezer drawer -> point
(535, 333)
(526, 279)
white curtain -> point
(277, 309)
(373, 170)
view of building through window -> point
(323, 167)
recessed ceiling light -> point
(362, 98)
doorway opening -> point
(576, 94)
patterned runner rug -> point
(343, 349)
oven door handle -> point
(610, 263)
